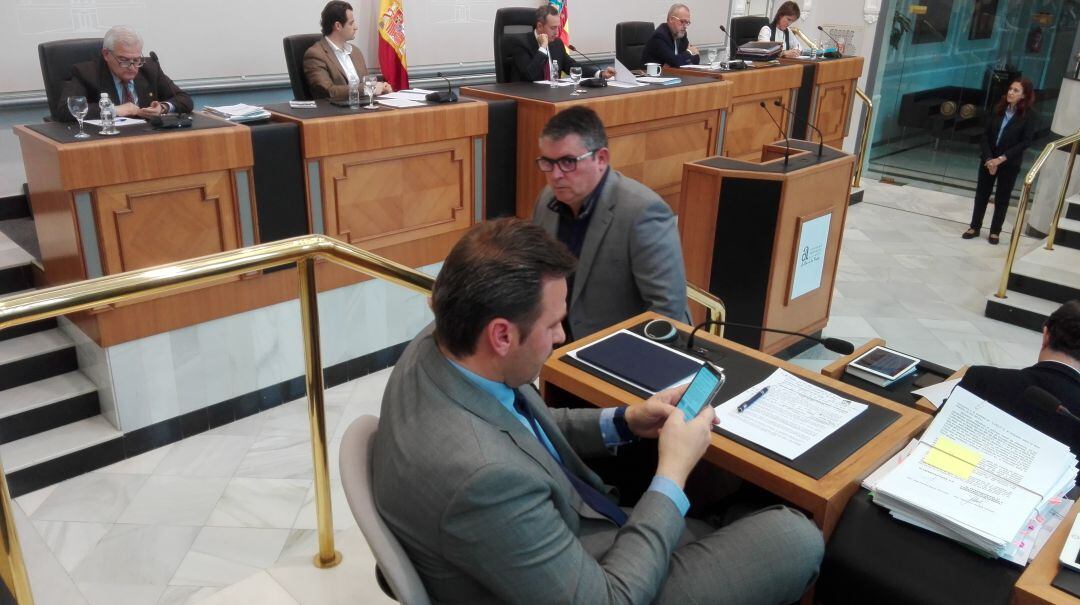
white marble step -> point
(1059, 266)
(12, 255)
(54, 443)
(44, 392)
(1026, 302)
(1068, 224)
(32, 345)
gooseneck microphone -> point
(787, 141)
(443, 97)
(837, 55)
(821, 137)
(600, 81)
(835, 345)
(1043, 400)
(727, 35)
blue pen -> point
(750, 402)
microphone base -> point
(442, 97)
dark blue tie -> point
(589, 494)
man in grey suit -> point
(623, 234)
(485, 487)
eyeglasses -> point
(126, 62)
(566, 163)
(685, 22)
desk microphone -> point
(598, 80)
(1043, 400)
(787, 141)
(835, 345)
(726, 35)
(821, 137)
(443, 97)
(831, 55)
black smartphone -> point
(702, 390)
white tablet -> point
(1071, 551)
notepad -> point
(640, 361)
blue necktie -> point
(597, 501)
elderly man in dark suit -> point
(533, 53)
(1057, 371)
(330, 63)
(669, 44)
(623, 233)
(137, 86)
(486, 488)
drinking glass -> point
(575, 75)
(369, 89)
(78, 108)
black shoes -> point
(970, 233)
(994, 238)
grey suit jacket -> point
(631, 260)
(485, 513)
(324, 74)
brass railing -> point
(1025, 197)
(165, 279)
(864, 139)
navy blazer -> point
(661, 49)
(528, 63)
(1018, 135)
(90, 78)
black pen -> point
(750, 402)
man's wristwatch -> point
(622, 426)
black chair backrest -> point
(56, 59)
(630, 39)
(745, 29)
(295, 47)
(514, 21)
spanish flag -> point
(564, 20)
(392, 43)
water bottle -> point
(354, 93)
(554, 82)
(108, 115)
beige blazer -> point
(324, 75)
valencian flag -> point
(392, 43)
(564, 18)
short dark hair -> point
(1063, 326)
(497, 269)
(578, 120)
(334, 12)
(787, 9)
(544, 12)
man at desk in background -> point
(137, 86)
(1057, 371)
(669, 44)
(532, 54)
(485, 486)
(623, 234)
(332, 62)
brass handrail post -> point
(14, 569)
(309, 317)
(864, 140)
(1014, 241)
(1061, 197)
(711, 303)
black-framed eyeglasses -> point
(566, 163)
(126, 62)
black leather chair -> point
(745, 29)
(56, 59)
(514, 21)
(295, 47)
(630, 39)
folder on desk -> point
(640, 361)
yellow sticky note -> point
(953, 458)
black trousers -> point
(1005, 178)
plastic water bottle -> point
(354, 93)
(554, 82)
(108, 115)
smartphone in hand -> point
(702, 390)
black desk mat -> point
(1067, 580)
(64, 132)
(542, 92)
(326, 109)
(743, 372)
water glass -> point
(554, 82)
(78, 108)
(575, 75)
(370, 82)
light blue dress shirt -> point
(1009, 113)
(505, 396)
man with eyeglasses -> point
(669, 44)
(532, 53)
(623, 234)
(137, 86)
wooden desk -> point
(823, 498)
(651, 131)
(826, 97)
(1033, 587)
(747, 129)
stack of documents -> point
(978, 476)
(410, 97)
(240, 112)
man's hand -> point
(683, 443)
(384, 88)
(155, 109)
(646, 419)
(792, 53)
(690, 48)
(127, 110)
(542, 40)
(609, 72)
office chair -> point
(393, 570)
(56, 59)
(745, 29)
(630, 39)
(295, 47)
(514, 21)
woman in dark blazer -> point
(1008, 133)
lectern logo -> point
(810, 254)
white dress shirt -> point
(763, 36)
(345, 60)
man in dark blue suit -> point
(669, 44)
(533, 53)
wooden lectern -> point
(765, 236)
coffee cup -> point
(652, 69)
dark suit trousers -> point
(1005, 178)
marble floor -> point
(227, 516)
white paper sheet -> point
(408, 95)
(399, 103)
(617, 84)
(120, 122)
(793, 416)
(655, 80)
(558, 83)
(937, 393)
